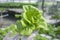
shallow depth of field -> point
(29, 19)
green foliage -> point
(58, 30)
(15, 5)
(18, 16)
(56, 16)
(4, 31)
(13, 30)
(38, 37)
(32, 19)
(50, 31)
(2, 9)
(1, 35)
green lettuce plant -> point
(32, 19)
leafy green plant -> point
(58, 30)
(4, 31)
(38, 37)
(50, 31)
(32, 19)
